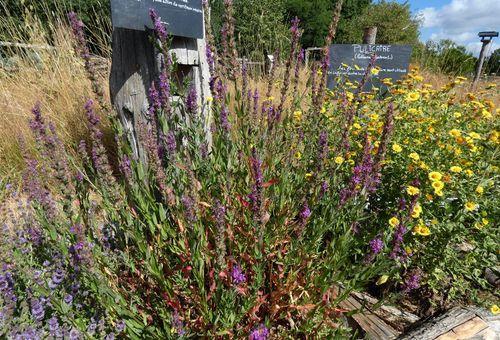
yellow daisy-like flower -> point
(210, 99)
(470, 206)
(456, 169)
(308, 175)
(323, 110)
(374, 116)
(417, 210)
(297, 116)
(437, 185)
(422, 230)
(457, 114)
(414, 156)
(495, 309)
(435, 176)
(474, 135)
(455, 133)
(412, 96)
(397, 148)
(339, 160)
(412, 191)
(479, 190)
(485, 221)
(439, 193)
(393, 222)
(270, 99)
(298, 155)
(469, 172)
(375, 71)
(349, 96)
(486, 114)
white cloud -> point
(461, 20)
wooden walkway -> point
(388, 322)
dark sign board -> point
(182, 18)
(349, 62)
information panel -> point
(349, 62)
(182, 18)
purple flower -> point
(305, 213)
(238, 275)
(220, 237)
(256, 194)
(68, 299)
(125, 167)
(397, 241)
(376, 245)
(189, 208)
(57, 278)
(224, 120)
(192, 100)
(120, 326)
(412, 282)
(74, 334)
(159, 27)
(259, 333)
(170, 142)
(178, 325)
(37, 309)
(54, 329)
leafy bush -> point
(296, 202)
(445, 57)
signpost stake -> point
(136, 62)
(370, 35)
(133, 69)
(486, 38)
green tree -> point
(493, 65)
(395, 24)
(260, 26)
(445, 57)
(316, 15)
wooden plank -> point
(374, 327)
(470, 328)
(440, 325)
(486, 334)
(395, 317)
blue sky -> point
(458, 20)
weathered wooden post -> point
(135, 61)
(370, 35)
(486, 38)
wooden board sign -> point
(183, 18)
(349, 62)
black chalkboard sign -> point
(182, 18)
(349, 62)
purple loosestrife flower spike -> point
(305, 213)
(192, 100)
(376, 245)
(259, 333)
(256, 195)
(178, 324)
(159, 27)
(293, 51)
(237, 275)
(220, 237)
(397, 241)
(189, 208)
(412, 282)
(82, 49)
